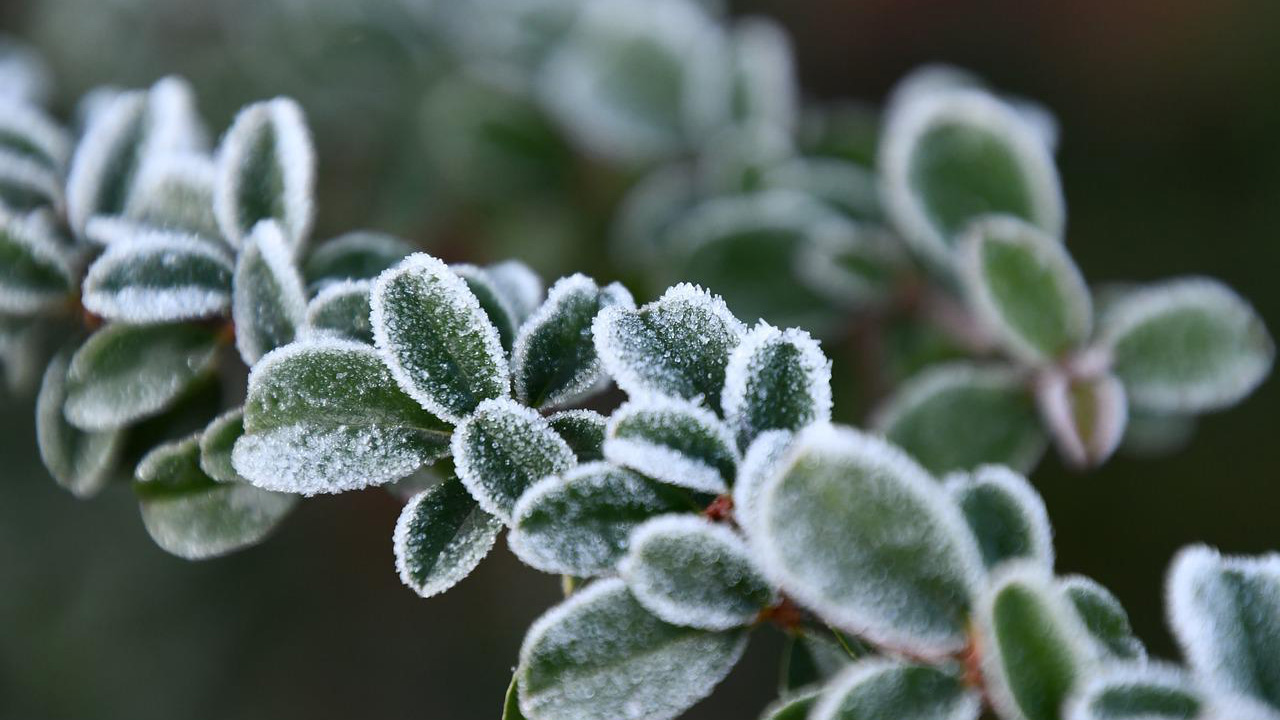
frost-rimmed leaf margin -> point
(82, 462)
(761, 460)
(691, 661)
(471, 533)
(960, 702)
(807, 380)
(1022, 499)
(217, 442)
(198, 282)
(28, 246)
(268, 301)
(341, 309)
(955, 570)
(1104, 617)
(1141, 679)
(673, 441)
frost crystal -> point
(578, 524)
(554, 359)
(159, 277)
(691, 572)
(878, 688)
(81, 462)
(436, 339)
(673, 441)
(268, 301)
(503, 449)
(776, 380)
(678, 345)
(341, 310)
(441, 536)
(600, 656)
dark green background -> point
(1170, 113)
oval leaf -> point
(159, 277)
(79, 461)
(1137, 692)
(776, 380)
(1087, 415)
(35, 272)
(341, 310)
(1104, 617)
(762, 459)
(583, 430)
(519, 285)
(1007, 516)
(441, 536)
(268, 302)
(217, 443)
(175, 192)
(876, 689)
(673, 441)
(359, 255)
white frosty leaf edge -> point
(845, 442)
(521, 286)
(51, 424)
(1128, 674)
(1024, 494)
(27, 173)
(739, 372)
(439, 582)
(456, 291)
(297, 159)
(759, 463)
(1068, 583)
(663, 463)
(143, 304)
(331, 292)
(32, 124)
(268, 243)
(1048, 250)
(692, 528)
(187, 168)
(108, 126)
(33, 234)
(969, 106)
(863, 671)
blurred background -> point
(1170, 160)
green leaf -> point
(1086, 415)
(511, 705)
(519, 285)
(583, 430)
(1186, 345)
(358, 255)
(949, 157)
(26, 185)
(175, 192)
(578, 524)
(217, 443)
(341, 310)
(761, 461)
(691, 572)
(1104, 617)
(1025, 289)
(853, 529)
(776, 380)
(554, 360)
(876, 689)
(600, 656)
(1138, 692)
(191, 515)
(794, 707)
(27, 132)
(1225, 612)
(1006, 515)
(960, 416)
(434, 335)
(765, 85)
(266, 171)
(504, 448)
(125, 373)
(159, 276)
(325, 416)
(678, 345)
(82, 462)
(1035, 648)
(268, 302)
(35, 272)
(441, 536)
(492, 301)
(810, 659)
(674, 441)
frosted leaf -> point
(792, 707)
(1225, 613)
(441, 536)
(776, 380)
(359, 255)
(1024, 288)
(1186, 345)
(959, 416)
(174, 191)
(673, 441)
(876, 689)
(855, 530)
(216, 444)
(600, 656)
(519, 284)
(1036, 650)
(341, 310)
(765, 85)
(433, 334)
(325, 416)
(758, 464)
(268, 302)
(554, 360)
(82, 462)
(948, 157)
(159, 276)
(190, 515)
(1006, 514)
(1104, 617)
(35, 270)
(494, 303)
(502, 449)
(1086, 416)
(847, 186)
(578, 524)
(1138, 692)
(678, 345)
(691, 572)
(25, 184)
(633, 82)
(26, 131)
(511, 704)
(127, 131)
(583, 430)
(266, 169)
(125, 373)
